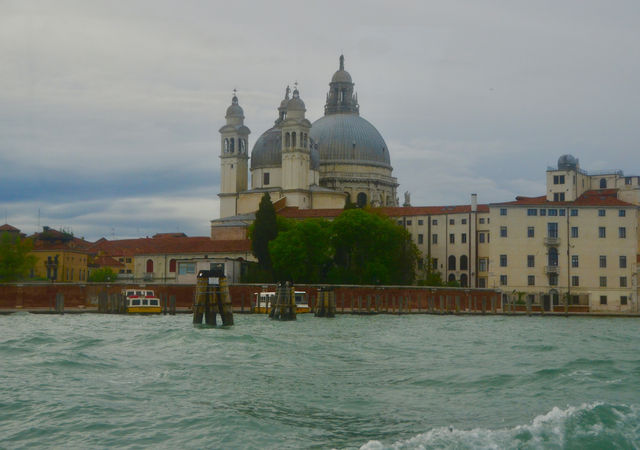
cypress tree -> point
(265, 229)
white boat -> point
(141, 301)
(263, 302)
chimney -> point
(474, 202)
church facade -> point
(340, 157)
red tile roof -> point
(603, 197)
(9, 228)
(107, 261)
(154, 246)
(390, 211)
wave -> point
(590, 425)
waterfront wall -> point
(356, 299)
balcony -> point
(551, 269)
(552, 241)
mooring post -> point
(59, 302)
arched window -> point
(231, 145)
(603, 183)
(226, 145)
(463, 278)
(287, 140)
(172, 265)
(464, 265)
(293, 139)
(452, 277)
(149, 266)
(241, 145)
(553, 256)
(361, 200)
(304, 143)
(452, 262)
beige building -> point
(579, 242)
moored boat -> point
(263, 302)
(141, 301)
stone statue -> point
(407, 198)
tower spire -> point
(341, 62)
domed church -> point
(339, 157)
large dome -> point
(348, 138)
(267, 151)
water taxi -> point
(141, 301)
(264, 302)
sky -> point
(110, 110)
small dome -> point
(568, 162)
(341, 76)
(267, 151)
(296, 103)
(235, 110)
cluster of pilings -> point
(326, 303)
(112, 303)
(211, 298)
(284, 305)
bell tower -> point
(296, 146)
(234, 158)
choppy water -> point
(87, 381)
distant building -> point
(60, 256)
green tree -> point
(431, 276)
(371, 249)
(103, 274)
(303, 253)
(264, 230)
(15, 260)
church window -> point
(362, 200)
(241, 146)
(226, 145)
(293, 139)
(305, 141)
(265, 178)
(287, 140)
(231, 145)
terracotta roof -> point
(106, 261)
(9, 228)
(397, 211)
(165, 235)
(168, 245)
(603, 197)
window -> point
(464, 280)
(574, 212)
(575, 280)
(562, 212)
(623, 262)
(603, 281)
(603, 299)
(602, 232)
(420, 263)
(452, 238)
(452, 263)
(602, 212)
(623, 281)
(186, 268)
(408, 222)
(603, 261)
(452, 221)
(121, 260)
(481, 238)
(463, 238)
(121, 271)
(435, 263)
(543, 212)
(552, 257)
(399, 222)
(574, 261)
(623, 299)
(531, 261)
(420, 222)
(553, 212)
(503, 231)
(434, 222)
(361, 199)
(503, 260)
(553, 279)
(464, 221)
(128, 260)
(149, 266)
(482, 282)
(532, 212)
(434, 238)
(558, 197)
(622, 213)
(552, 229)
(622, 232)
(603, 183)
(531, 280)
(503, 280)
(558, 179)
(482, 265)
(531, 232)
(172, 265)
(265, 178)
(503, 211)
(464, 262)
(481, 220)
(574, 232)
(420, 238)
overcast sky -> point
(110, 110)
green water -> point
(96, 381)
